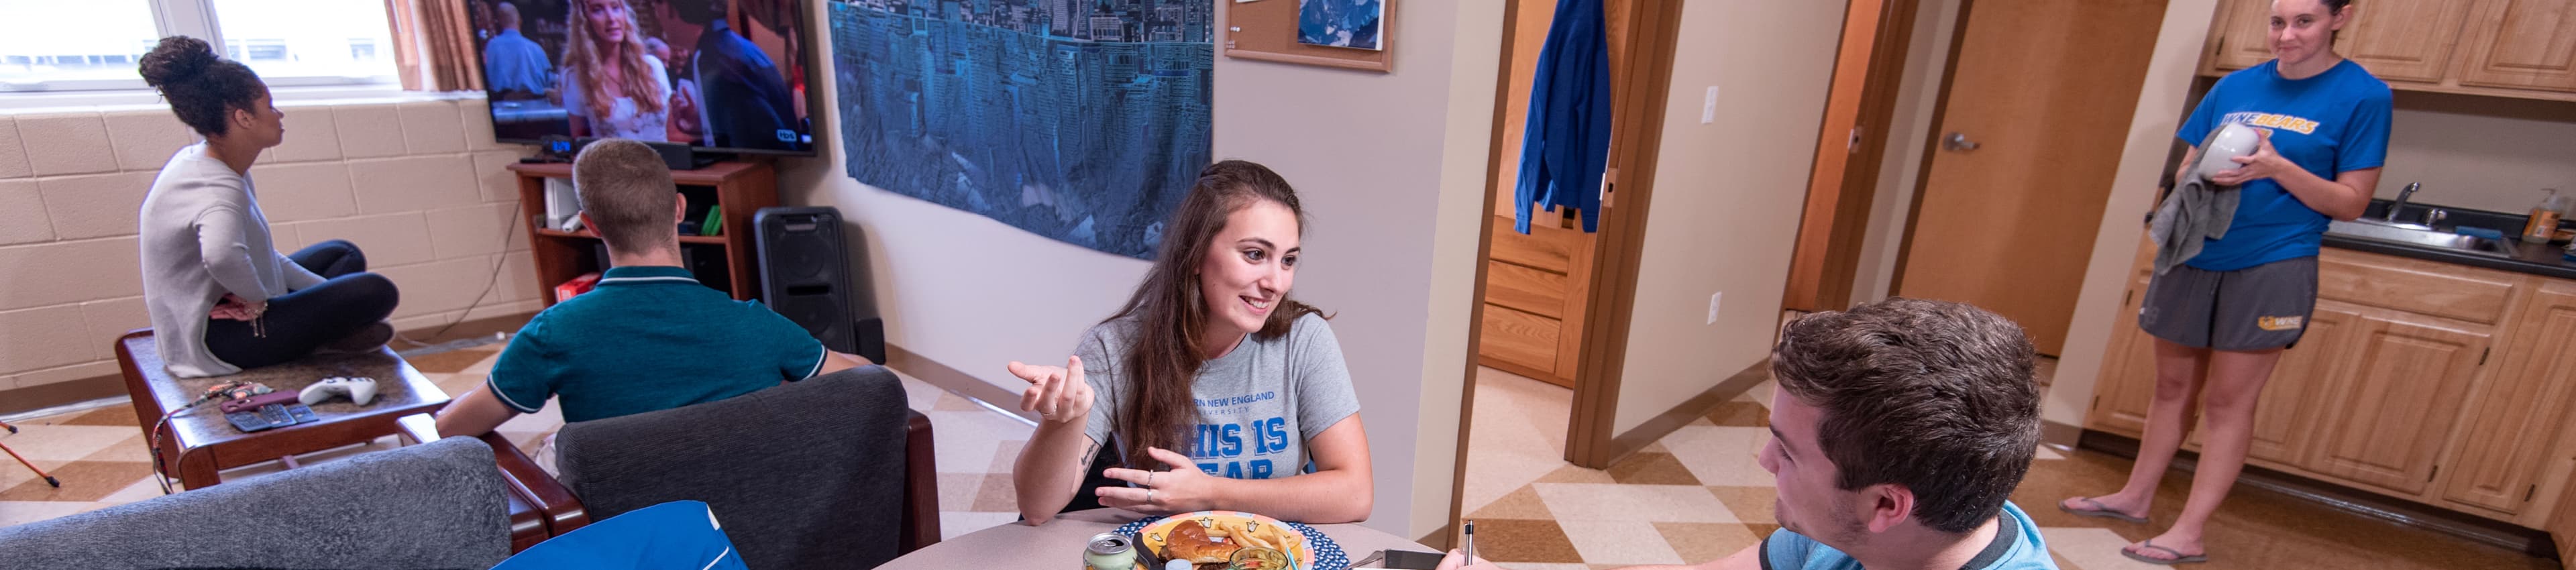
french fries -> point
(1247, 533)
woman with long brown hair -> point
(1209, 389)
(613, 87)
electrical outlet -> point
(1708, 108)
(1713, 299)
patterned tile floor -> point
(1699, 494)
(1691, 497)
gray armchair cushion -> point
(805, 475)
(435, 505)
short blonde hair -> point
(628, 192)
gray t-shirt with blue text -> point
(1258, 404)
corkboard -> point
(1267, 30)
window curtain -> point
(433, 45)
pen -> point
(1470, 541)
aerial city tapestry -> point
(1079, 120)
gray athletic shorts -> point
(2261, 307)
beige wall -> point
(1390, 167)
(2161, 103)
(1727, 195)
(2480, 153)
(418, 185)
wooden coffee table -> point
(198, 443)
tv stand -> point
(741, 187)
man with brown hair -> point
(1898, 431)
(649, 337)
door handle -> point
(1958, 142)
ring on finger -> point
(1149, 479)
(1149, 495)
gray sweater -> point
(203, 236)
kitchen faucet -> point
(2400, 203)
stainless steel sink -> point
(2417, 235)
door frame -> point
(1851, 148)
(1932, 142)
(1636, 140)
(1636, 135)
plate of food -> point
(1230, 540)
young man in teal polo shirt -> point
(649, 337)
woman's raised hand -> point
(1057, 393)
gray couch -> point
(833, 471)
(434, 505)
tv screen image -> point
(721, 75)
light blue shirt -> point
(2017, 546)
(512, 61)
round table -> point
(1058, 543)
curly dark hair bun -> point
(201, 86)
(176, 59)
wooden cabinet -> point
(2562, 526)
(1533, 300)
(2128, 384)
(2424, 381)
(2497, 463)
(2381, 428)
(2404, 41)
(2529, 44)
(2285, 417)
(2237, 37)
(741, 188)
(2506, 48)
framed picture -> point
(1349, 34)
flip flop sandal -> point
(2178, 558)
(2100, 511)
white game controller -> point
(359, 390)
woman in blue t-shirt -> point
(2222, 318)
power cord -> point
(504, 257)
(227, 390)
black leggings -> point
(295, 323)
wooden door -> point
(2403, 41)
(2498, 464)
(2044, 88)
(2128, 381)
(2527, 44)
(2387, 418)
(2240, 30)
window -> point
(52, 45)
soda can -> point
(1110, 551)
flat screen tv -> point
(725, 76)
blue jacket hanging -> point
(1566, 146)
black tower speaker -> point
(805, 276)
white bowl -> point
(2232, 140)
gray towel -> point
(2197, 209)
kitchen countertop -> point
(2536, 259)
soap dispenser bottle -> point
(2544, 217)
